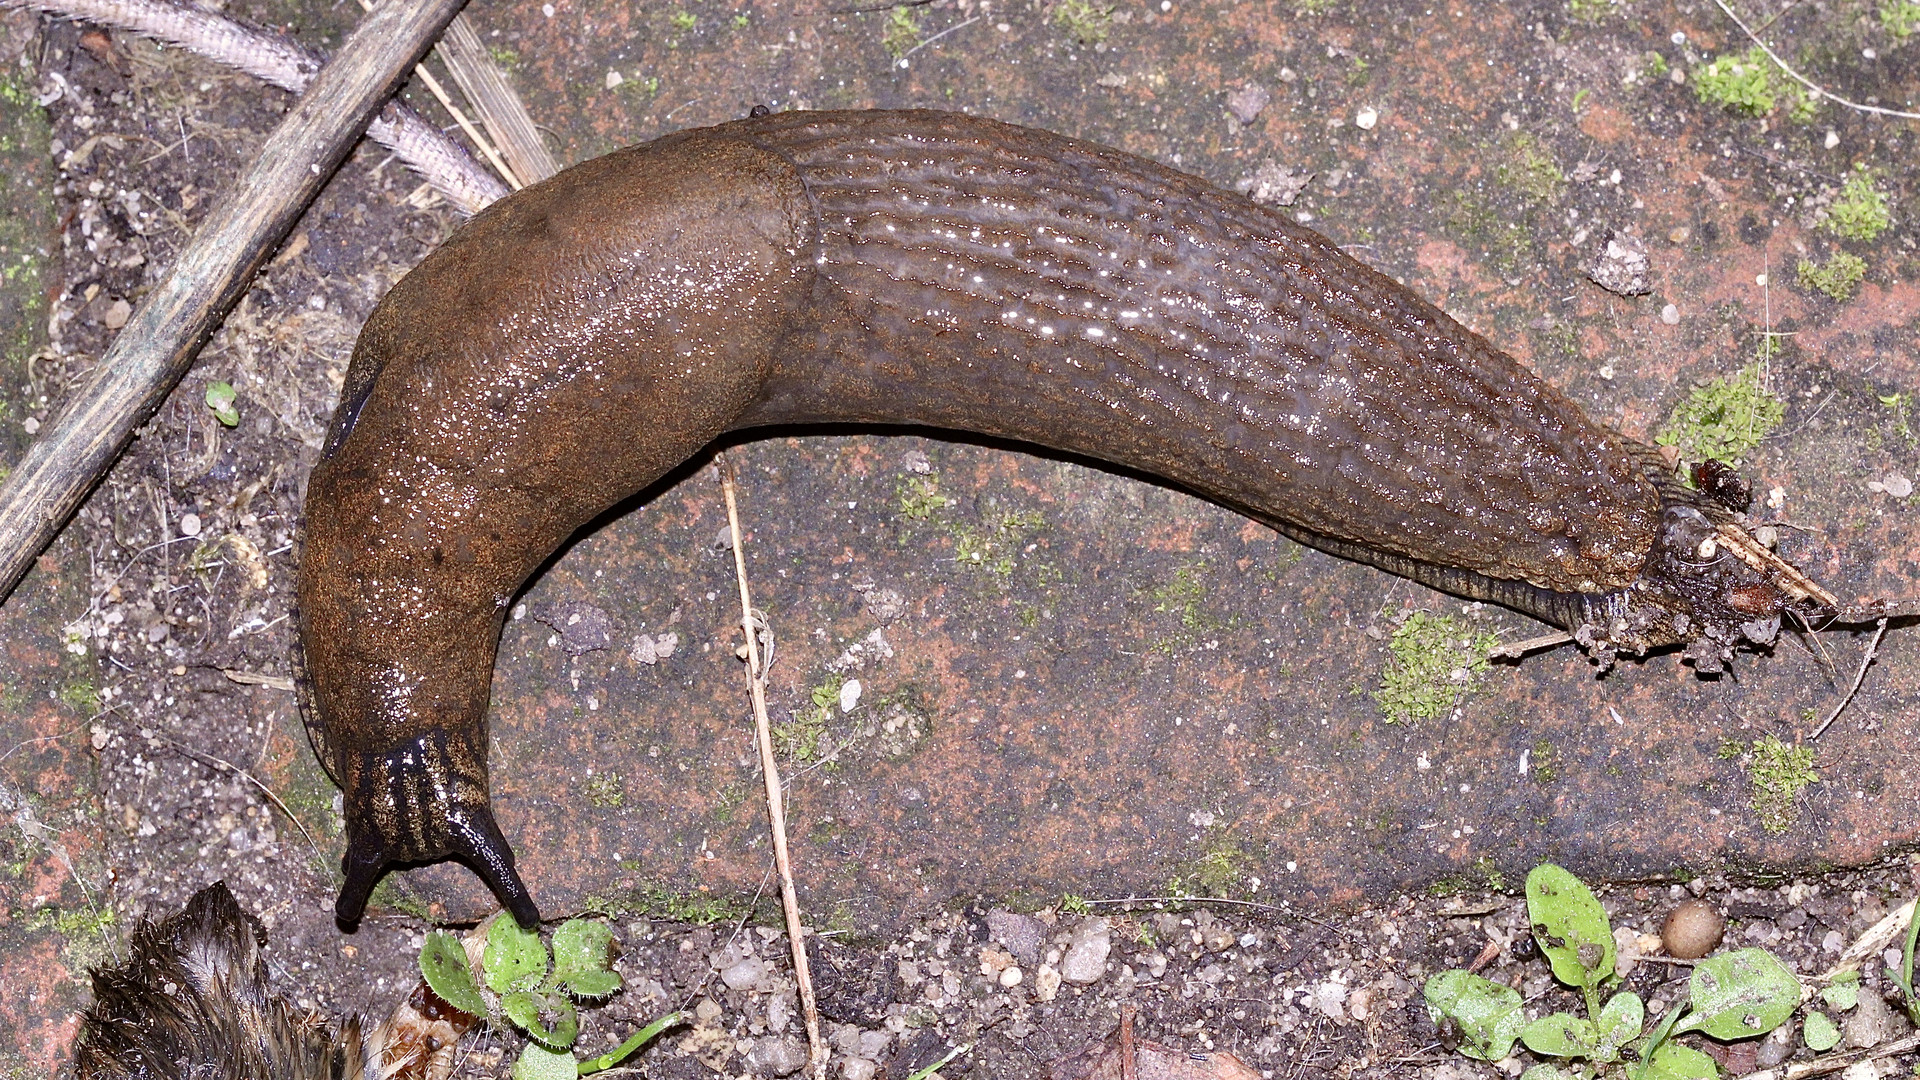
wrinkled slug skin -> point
(576, 341)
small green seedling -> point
(1903, 975)
(1482, 1014)
(534, 991)
(1862, 211)
(1724, 418)
(1820, 1032)
(1733, 995)
(932, 1072)
(220, 400)
(1837, 278)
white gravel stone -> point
(1086, 958)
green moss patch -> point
(1751, 84)
(1725, 418)
(1900, 19)
(1086, 21)
(1862, 211)
(1836, 278)
(1434, 663)
(1779, 773)
(1530, 169)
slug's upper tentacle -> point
(575, 341)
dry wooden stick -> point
(770, 772)
(487, 149)
(160, 342)
(500, 109)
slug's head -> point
(425, 801)
(1706, 584)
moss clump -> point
(1529, 168)
(1725, 418)
(81, 696)
(902, 33)
(1183, 598)
(1836, 278)
(1751, 84)
(1434, 663)
(1592, 11)
(1900, 19)
(1544, 770)
(1779, 773)
(655, 900)
(605, 790)
(918, 497)
(802, 737)
(993, 545)
(1214, 875)
(1862, 211)
(1086, 21)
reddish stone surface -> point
(56, 915)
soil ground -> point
(1130, 694)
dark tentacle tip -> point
(473, 838)
(477, 842)
(362, 865)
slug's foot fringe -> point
(420, 803)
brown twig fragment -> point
(770, 772)
(1880, 631)
(185, 306)
(500, 109)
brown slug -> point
(574, 342)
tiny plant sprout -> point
(220, 400)
(534, 990)
(1735, 995)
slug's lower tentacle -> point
(579, 339)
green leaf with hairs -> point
(1740, 994)
(515, 959)
(539, 1063)
(1570, 926)
(1485, 1014)
(443, 964)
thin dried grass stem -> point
(770, 772)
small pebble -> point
(1366, 118)
(1670, 315)
(1246, 102)
(1086, 958)
(190, 525)
(1692, 930)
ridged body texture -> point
(575, 342)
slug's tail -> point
(425, 801)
